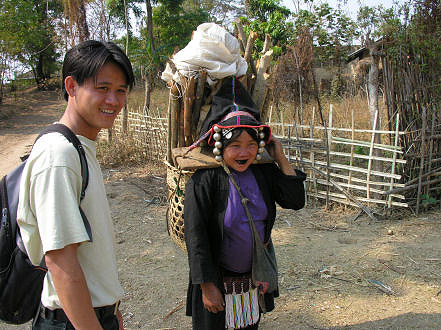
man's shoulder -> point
(53, 149)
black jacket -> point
(205, 203)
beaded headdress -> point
(231, 108)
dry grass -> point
(121, 152)
(158, 101)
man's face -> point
(99, 100)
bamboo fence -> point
(350, 165)
(148, 130)
(349, 176)
(413, 100)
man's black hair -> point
(86, 59)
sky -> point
(351, 7)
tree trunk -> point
(83, 28)
(373, 99)
(147, 72)
(150, 24)
(125, 112)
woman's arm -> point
(198, 222)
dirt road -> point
(17, 134)
(328, 263)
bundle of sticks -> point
(190, 98)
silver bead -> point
(218, 144)
(217, 136)
(262, 143)
(262, 135)
(217, 129)
(216, 151)
(260, 150)
(258, 157)
(218, 158)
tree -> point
(331, 31)
(269, 17)
(223, 12)
(370, 21)
(174, 24)
(28, 35)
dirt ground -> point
(328, 261)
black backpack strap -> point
(72, 138)
(5, 225)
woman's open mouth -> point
(241, 161)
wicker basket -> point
(176, 181)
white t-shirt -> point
(49, 217)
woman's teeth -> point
(242, 161)
(110, 112)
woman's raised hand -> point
(275, 149)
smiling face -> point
(240, 153)
(96, 103)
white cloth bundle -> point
(212, 48)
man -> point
(81, 289)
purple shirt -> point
(237, 244)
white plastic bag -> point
(213, 49)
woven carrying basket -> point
(176, 181)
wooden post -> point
(188, 105)
(394, 161)
(175, 105)
(328, 131)
(351, 161)
(423, 149)
(312, 154)
(199, 98)
(429, 164)
(371, 151)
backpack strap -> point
(72, 138)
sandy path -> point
(17, 134)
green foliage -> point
(414, 32)
(268, 17)
(427, 200)
(331, 31)
(174, 25)
(359, 150)
(116, 9)
(27, 34)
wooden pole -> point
(371, 151)
(394, 163)
(351, 161)
(422, 150)
(312, 154)
(188, 104)
(429, 164)
(174, 115)
(328, 131)
(198, 102)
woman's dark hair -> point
(236, 132)
(86, 59)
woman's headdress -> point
(232, 107)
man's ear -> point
(70, 85)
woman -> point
(217, 231)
